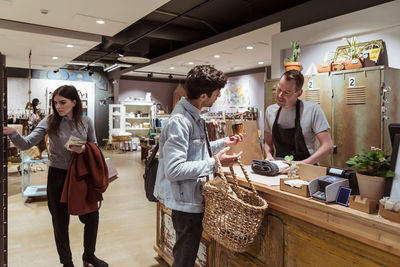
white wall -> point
(379, 22)
(255, 83)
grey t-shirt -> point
(59, 155)
(312, 121)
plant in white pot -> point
(373, 168)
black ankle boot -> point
(93, 260)
(69, 264)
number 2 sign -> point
(352, 81)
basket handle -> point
(222, 175)
(236, 184)
(246, 175)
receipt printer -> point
(326, 188)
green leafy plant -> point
(292, 173)
(295, 54)
(354, 50)
(373, 162)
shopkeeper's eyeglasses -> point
(284, 93)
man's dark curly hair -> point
(204, 79)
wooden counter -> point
(299, 231)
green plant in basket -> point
(373, 162)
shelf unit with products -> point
(138, 117)
(116, 119)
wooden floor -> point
(127, 222)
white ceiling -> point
(23, 27)
(233, 54)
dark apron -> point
(289, 141)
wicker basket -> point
(232, 220)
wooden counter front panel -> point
(283, 240)
(286, 241)
(165, 240)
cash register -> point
(326, 188)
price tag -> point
(352, 81)
(310, 84)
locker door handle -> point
(334, 149)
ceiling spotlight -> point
(70, 45)
(217, 56)
(172, 68)
(170, 76)
(249, 47)
(190, 63)
(260, 62)
(120, 52)
(100, 21)
(150, 75)
(55, 58)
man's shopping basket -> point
(232, 217)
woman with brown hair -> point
(66, 121)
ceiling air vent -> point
(313, 96)
(356, 95)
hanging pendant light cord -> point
(29, 76)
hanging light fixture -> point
(29, 104)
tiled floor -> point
(127, 222)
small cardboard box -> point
(389, 214)
(363, 204)
(307, 172)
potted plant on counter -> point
(293, 63)
(373, 168)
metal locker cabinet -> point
(270, 93)
(318, 88)
(390, 95)
(356, 112)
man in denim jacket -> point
(185, 160)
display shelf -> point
(136, 103)
(137, 118)
(116, 119)
(130, 116)
(133, 129)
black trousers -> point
(60, 218)
(188, 228)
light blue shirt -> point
(184, 161)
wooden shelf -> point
(137, 118)
(134, 129)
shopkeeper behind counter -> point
(293, 125)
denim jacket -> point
(184, 161)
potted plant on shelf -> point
(354, 52)
(373, 168)
(357, 55)
(293, 63)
